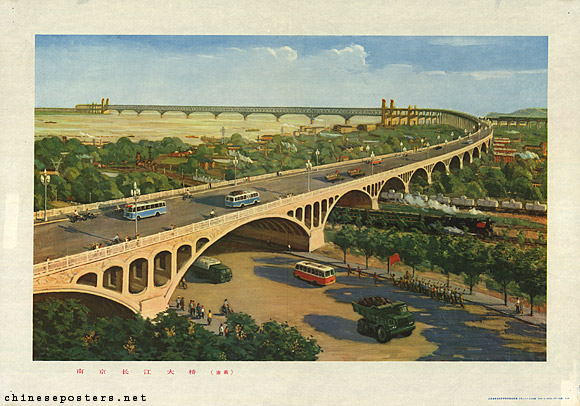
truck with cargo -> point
(383, 319)
(333, 177)
(210, 269)
(355, 173)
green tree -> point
(531, 273)
(367, 240)
(503, 266)
(344, 238)
(413, 249)
(388, 246)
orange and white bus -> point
(315, 273)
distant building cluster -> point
(501, 151)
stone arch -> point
(419, 180)
(466, 158)
(455, 163)
(138, 275)
(184, 254)
(439, 167)
(308, 216)
(162, 268)
(323, 210)
(99, 302)
(200, 243)
(113, 279)
(484, 147)
(316, 214)
(89, 279)
(355, 198)
(395, 183)
(476, 152)
(275, 229)
(299, 213)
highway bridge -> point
(142, 274)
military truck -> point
(383, 318)
(334, 177)
(210, 269)
(355, 173)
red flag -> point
(394, 259)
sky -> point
(475, 75)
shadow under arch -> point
(355, 198)
(395, 183)
(419, 180)
(99, 304)
(455, 163)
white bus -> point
(242, 198)
(145, 209)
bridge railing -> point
(48, 267)
(38, 215)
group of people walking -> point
(436, 290)
(195, 310)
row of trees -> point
(64, 330)
(79, 180)
(505, 263)
(512, 180)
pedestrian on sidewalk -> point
(221, 330)
(376, 279)
(198, 311)
(209, 317)
(202, 312)
(191, 307)
(178, 302)
(348, 269)
(358, 272)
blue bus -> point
(242, 198)
(145, 209)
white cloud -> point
(463, 41)
(283, 53)
(434, 73)
(501, 74)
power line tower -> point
(56, 165)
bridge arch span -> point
(356, 198)
(439, 167)
(86, 297)
(467, 158)
(455, 163)
(395, 183)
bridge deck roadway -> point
(60, 237)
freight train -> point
(444, 223)
(463, 202)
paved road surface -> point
(60, 237)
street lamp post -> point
(405, 153)
(368, 148)
(401, 145)
(135, 192)
(45, 180)
(445, 145)
(308, 169)
(428, 150)
(438, 139)
(317, 152)
(235, 170)
(372, 162)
